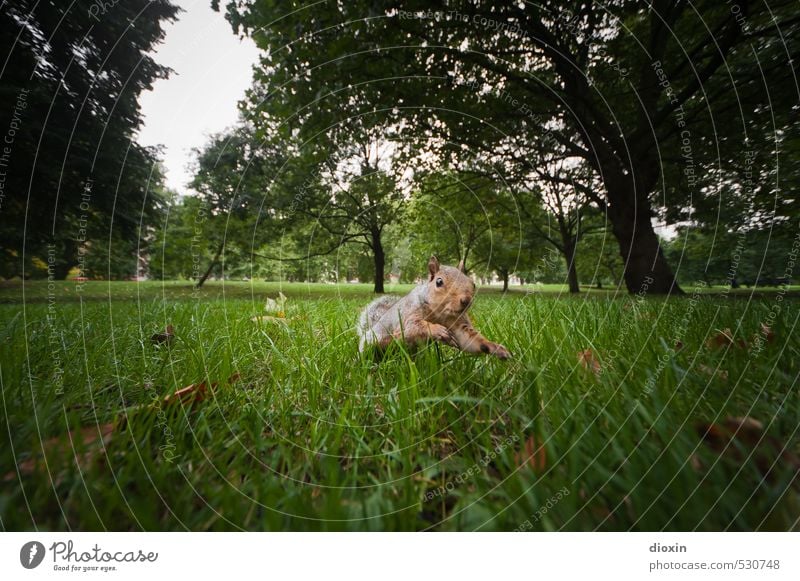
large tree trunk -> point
(380, 261)
(214, 261)
(646, 269)
(570, 247)
(504, 275)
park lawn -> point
(592, 426)
(38, 291)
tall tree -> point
(234, 177)
(564, 190)
(468, 216)
(73, 175)
(448, 215)
(624, 85)
(348, 190)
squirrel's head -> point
(450, 290)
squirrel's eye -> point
(439, 282)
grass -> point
(314, 437)
(31, 292)
(15, 292)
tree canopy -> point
(75, 180)
(665, 102)
(649, 143)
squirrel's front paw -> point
(500, 352)
(441, 333)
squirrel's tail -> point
(371, 315)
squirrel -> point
(434, 310)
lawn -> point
(16, 292)
(598, 422)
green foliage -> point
(640, 91)
(747, 257)
(73, 175)
(468, 217)
(351, 195)
(180, 250)
(599, 262)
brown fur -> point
(435, 310)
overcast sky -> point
(212, 71)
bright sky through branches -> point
(212, 68)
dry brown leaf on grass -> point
(190, 393)
(89, 442)
(197, 391)
(720, 339)
(166, 337)
(83, 446)
(724, 338)
(706, 370)
(533, 453)
(743, 438)
(765, 334)
(589, 361)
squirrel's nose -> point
(465, 301)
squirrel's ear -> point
(433, 266)
(461, 267)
